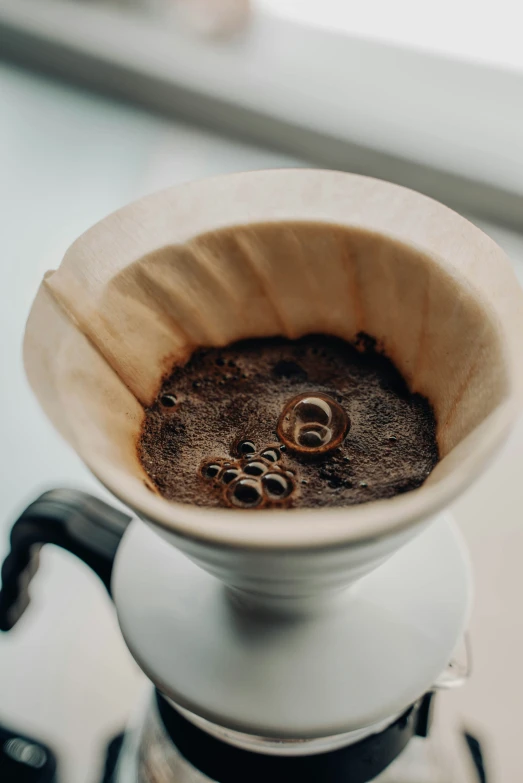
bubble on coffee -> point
(230, 474)
(277, 486)
(313, 437)
(245, 492)
(255, 468)
(246, 447)
(168, 400)
(271, 455)
(313, 423)
(211, 470)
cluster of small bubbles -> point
(313, 424)
(168, 400)
(254, 479)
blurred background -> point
(104, 101)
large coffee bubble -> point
(313, 424)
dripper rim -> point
(383, 208)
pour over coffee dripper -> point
(276, 631)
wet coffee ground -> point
(273, 423)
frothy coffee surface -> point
(273, 423)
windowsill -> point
(333, 97)
(488, 33)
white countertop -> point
(67, 159)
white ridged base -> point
(351, 662)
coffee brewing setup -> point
(303, 644)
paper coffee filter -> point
(278, 253)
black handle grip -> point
(25, 760)
(73, 520)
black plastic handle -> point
(73, 520)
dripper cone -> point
(278, 253)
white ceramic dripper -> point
(283, 650)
